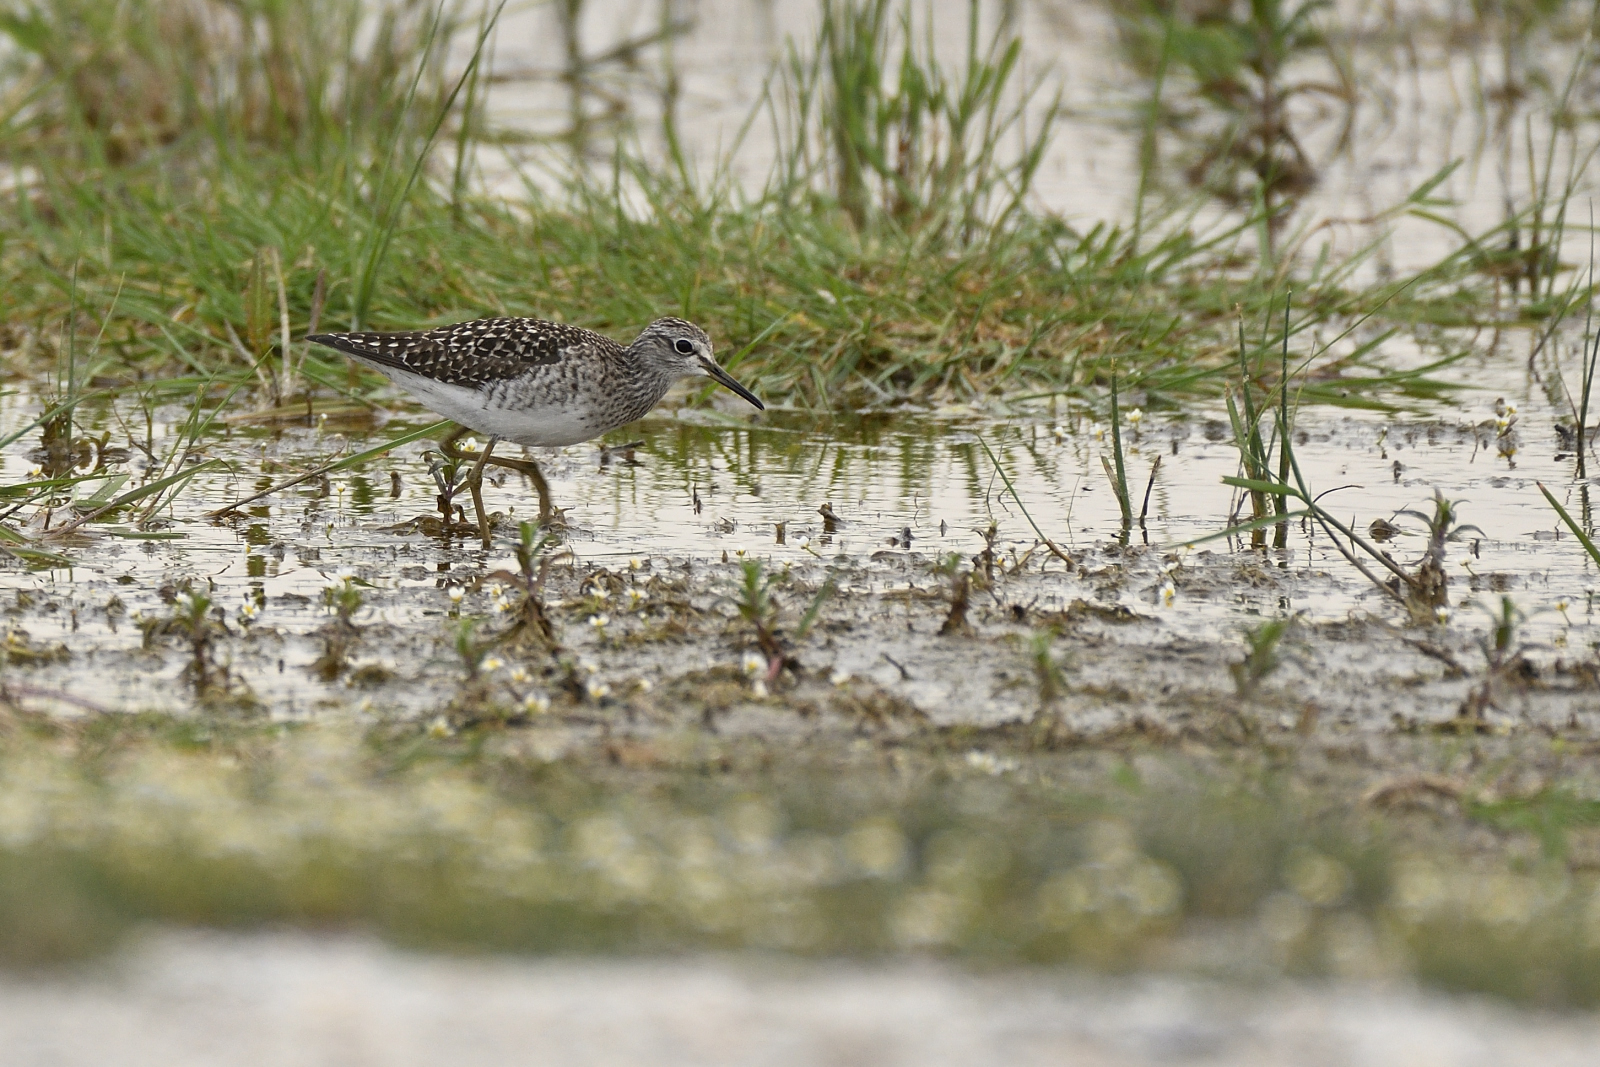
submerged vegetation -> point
(833, 735)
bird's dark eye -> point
(683, 346)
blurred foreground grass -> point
(1110, 858)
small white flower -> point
(738, 550)
(597, 689)
(588, 666)
(839, 677)
(1562, 605)
(501, 604)
(34, 472)
(989, 763)
(535, 703)
(599, 622)
(496, 591)
(754, 663)
(469, 445)
(634, 563)
(644, 685)
(439, 726)
(1442, 614)
(600, 594)
(1136, 416)
(492, 663)
(637, 597)
(519, 675)
(1168, 593)
(1511, 407)
(455, 592)
(249, 611)
(758, 689)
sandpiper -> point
(534, 382)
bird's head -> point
(682, 350)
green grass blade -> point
(1253, 524)
(1000, 470)
(340, 464)
(1577, 531)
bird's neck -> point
(646, 386)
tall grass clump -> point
(1246, 411)
(898, 138)
(1280, 493)
(276, 163)
(160, 81)
(229, 168)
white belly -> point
(540, 427)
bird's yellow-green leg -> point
(547, 512)
(520, 466)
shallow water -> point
(708, 488)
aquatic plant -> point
(1576, 434)
(1255, 451)
(1261, 656)
(759, 609)
(987, 557)
(470, 650)
(530, 620)
(193, 620)
(1427, 586)
(916, 146)
(342, 595)
(1502, 654)
(451, 471)
(1117, 472)
(1421, 591)
(955, 621)
(1047, 670)
(813, 612)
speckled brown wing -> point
(473, 353)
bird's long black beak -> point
(722, 377)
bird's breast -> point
(540, 411)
